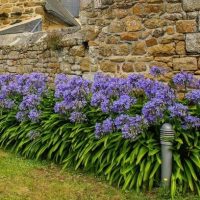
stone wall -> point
(119, 37)
(15, 11)
(23, 56)
(135, 35)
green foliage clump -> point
(54, 41)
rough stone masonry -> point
(117, 36)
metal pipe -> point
(166, 137)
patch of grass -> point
(22, 179)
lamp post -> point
(166, 138)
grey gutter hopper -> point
(56, 8)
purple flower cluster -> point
(151, 88)
(129, 126)
(104, 128)
(121, 120)
(155, 89)
(7, 91)
(77, 117)
(184, 79)
(72, 96)
(157, 71)
(31, 87)
(123, 103)
(28, 108)
(117, 95)
(181, 112)
(133, 127)
(130, 105)
(178, 110)
(112, 94)
(194, 96)
(23, 92)
(192, 122)
(154, 110)
(197, 83)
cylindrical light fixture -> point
(166, 137)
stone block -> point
(151, 42)
(197, 72)
(107, 66)
(158, 33)
(127, 67)
(105, 50)
(90, 33)
(155, 23)
(191, 5)
(142, 9)
(186, 26)
(89, 76)
(180, 48)
(65, 67)
(139, 48)
(174, 7)
(112, 39)
(159, 64)
(85, 4)
(132, 24)
(13, 55)
(193, 43)
(85, 64)
(12, 69)
(121, 50)
(170, 30)
(77, 51)
(116, 26)
(185, 63)
(119, 13)
(140, 66)
(162, 49)
(130, 36)
(117, 59)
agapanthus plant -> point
(185, 81)
(116, 97)
(23, 93)
(192, 122)
(194, 96)
(72, 96)
(32, 88)
(112, 94)
(7, 91)
(153, 110)
(28, 108)
(178, 110)
(104, 128)
(125, 103)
